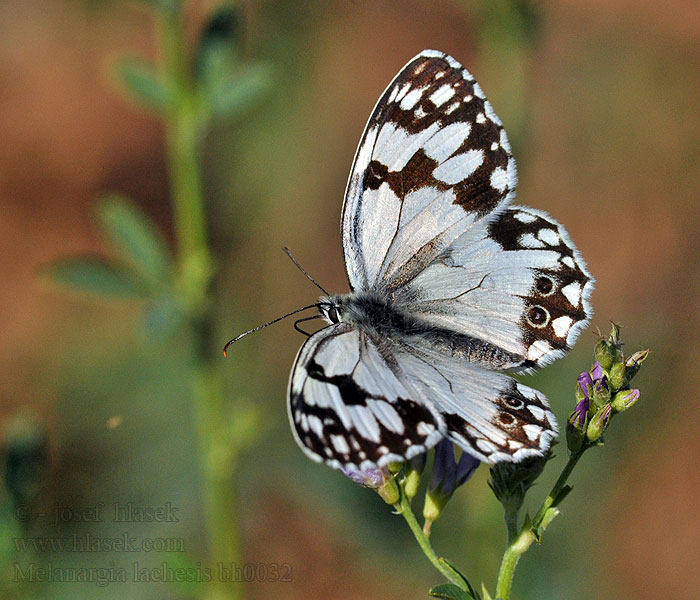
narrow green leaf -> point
(135, 235)
(485, 593)
(462, 576)
(97, 276)
(143, 82)
(449, 591)
(217, 50)
(549, 515)
(230, 96)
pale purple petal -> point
(597, 371)
(584, 381)
(372, 478)
(578, 418)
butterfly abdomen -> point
(385, 320)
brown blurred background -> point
(607, 135)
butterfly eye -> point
(333, 315)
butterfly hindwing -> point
(433, 159)
(487, 414)
(517, 282)
(359, 402)
(352, 409)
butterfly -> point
(452, 287)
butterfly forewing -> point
(433, 159)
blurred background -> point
(601, 100)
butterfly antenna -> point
(311, 279)
(259, 327)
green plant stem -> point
(558, 487)
(512, 555)
(195, 273)
(511, 518)
(518, 545)
(181, 133)
(404, 508)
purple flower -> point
(578, 417)
(597, 371)
(371, 478)
(585, 382)
(595, 380)
(448, 473)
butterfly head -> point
(331, 308)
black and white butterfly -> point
(450, 285)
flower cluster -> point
(448, 473)
(603, 392)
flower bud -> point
(624, 400)
(604, 354)
(414, 468)
(394, 467)
(434, 503)
(411, 484)
(617, 375)
(598, 423)
(614, 334)
(634, 363)
(584, 386)
(389, 491)
(601, 394)
(576, 431)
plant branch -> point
(405, 510)
(195, 272)
(518, 545)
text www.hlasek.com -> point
(90, 543)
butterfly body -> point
(451, 285)
(379, 317)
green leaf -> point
(135, 235)
(217, 51)
(449, 591)
(451, 565)
(143, 82)
(485, 593)
(227, 97)
(549, 515)
(97, 276)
